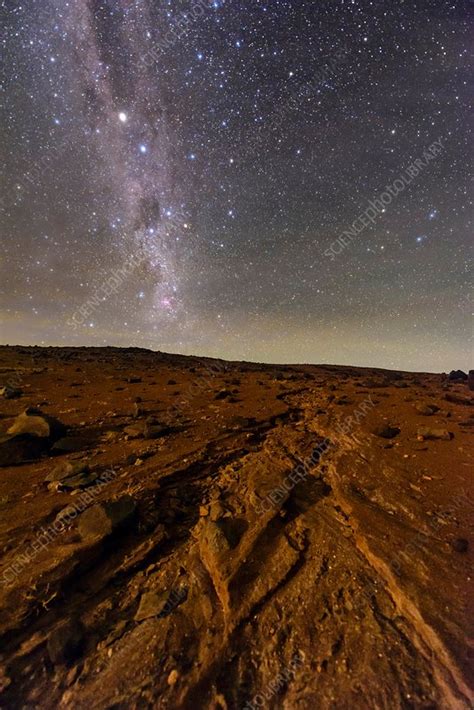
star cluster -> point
(176, 172)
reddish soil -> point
(268, 548)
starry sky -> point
(180, 175)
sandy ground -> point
(243, 536)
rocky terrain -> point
(179, 532)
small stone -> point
(223, 394)
(424, 410)
(386, 432)
(5, 681)
(460, 544)
(8, 392)
(425, 433)
(70, 444)
(151, 604)
(155, 431)
(173, 677)
(66, 469)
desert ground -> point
(180, 532)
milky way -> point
(209, 178)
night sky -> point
(197, 177)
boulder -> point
(33, 422)
(103, 519)
(471, 380)
(457, 376)
(31, 434)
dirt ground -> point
(232, 535)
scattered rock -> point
(425, 433)
(386, 432)
(66, 643)
(105, 518)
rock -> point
(9, 392)
(66, 643)
(71, 476)
(155, 431)
(217, 511)
(133, 380)
(386, 432)
(134, 432)
(5, 680)
(70, 444)
(458, 399)
(66, 469)
(33, 422)
(18, 449)
(471, 380)
(424, 433)
(457, 376)
(460, 544)
(223, 394)
(105, 518)
(424, 410)
(151, 604)
(173, 677)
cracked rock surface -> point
(246, 535)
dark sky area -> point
(282, 181)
